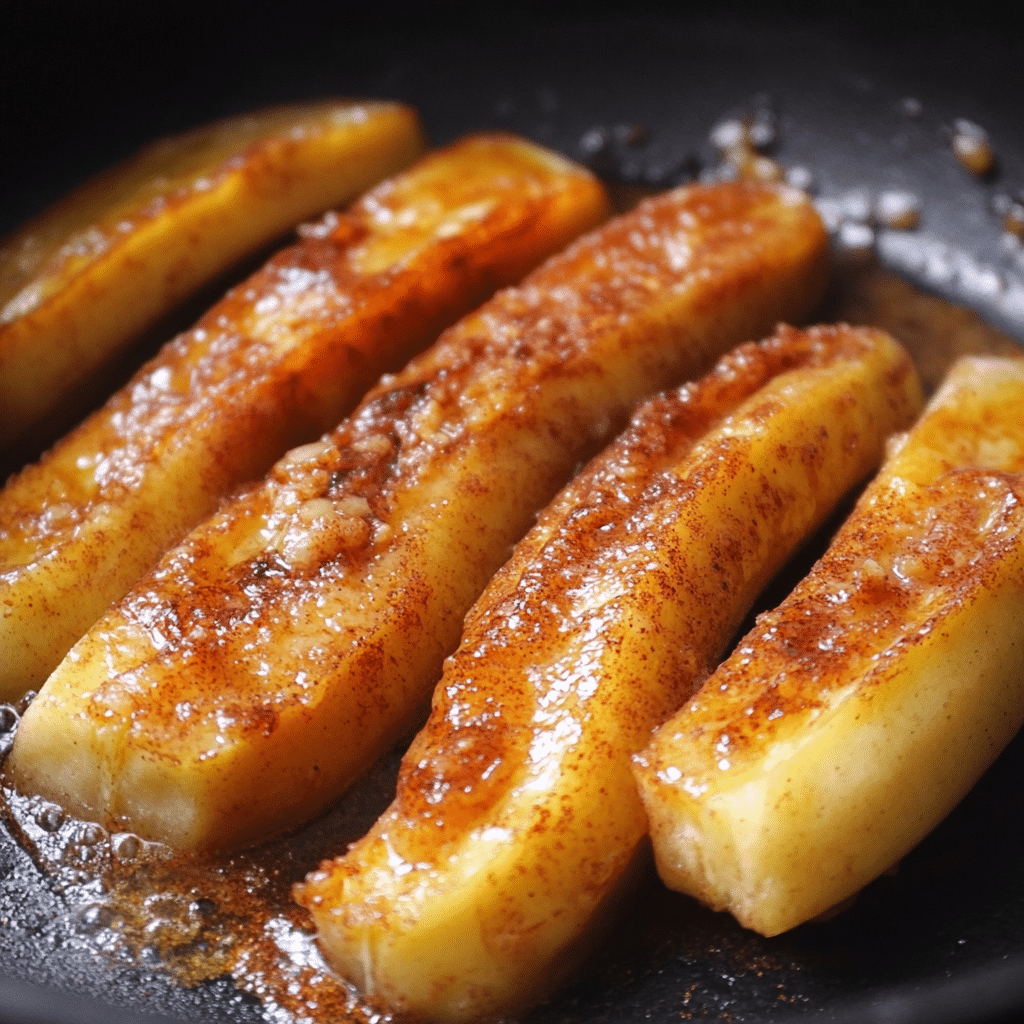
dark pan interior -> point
(943, 939)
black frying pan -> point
(943, 939)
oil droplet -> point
(50, 818)
(900, 211)
(630, 134)
(728, 134)
(800, 177)
(149, 956)
(911, 107)
(856, 240)
(594, 141)
(762, 131)
(972, 148)
(95, 917)
(1013, 220)
(21, 706)
(857, 207)
(980, 282)
(78, 856)
(202, 907)
(128, 847)
(8, 718)
(92, 834)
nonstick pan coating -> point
(865, 99)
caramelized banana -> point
(854, 717)
(295, 635)
(92, 272)
(275, 363)
(516, 815)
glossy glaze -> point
(234, 692)
(84, 278)
(516, 816)
(854, 716)
(276, 362)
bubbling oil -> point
(191, 918)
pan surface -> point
(865, 100)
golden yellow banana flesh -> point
(92, 272)
(516, 816)
(288, 640)
(853, 717)
(275, 363)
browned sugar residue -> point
(280, 358)
(448, 785)
(518, 361)
(193, 378)
(875, 590)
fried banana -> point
(296, 634)
(854, 716)
(94, 271)
(516, 816)
(277, 362)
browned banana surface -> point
(516, 817)
(288, 640)
(275, 363)
(92, 272)
(854, 716)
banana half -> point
(269, 658)
(92, 272)
(278, 361)
(853, 717)
(516, 815)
